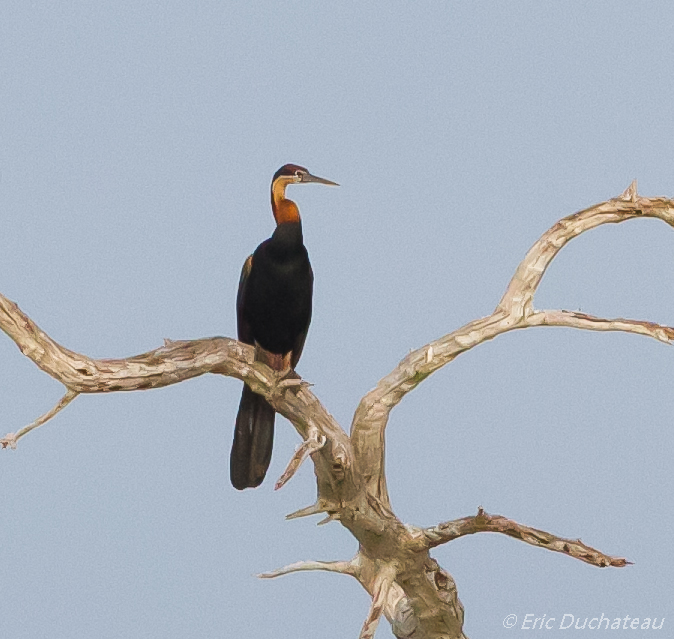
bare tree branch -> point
(175, 362)
(484, 522)
(515, 310)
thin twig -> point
(314, 442)
(315, 509)
(12, 438)
(342, 567)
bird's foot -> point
(296, 383)
(289, 382)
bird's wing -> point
(244, 330)
(254, 430)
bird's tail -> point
(253, 440)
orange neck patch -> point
(285, 210)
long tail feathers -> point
(253, 440)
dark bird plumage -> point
(273, 309)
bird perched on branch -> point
(273, 310)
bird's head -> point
(295, 174)
(286, 210)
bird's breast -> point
(279, 297)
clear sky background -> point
(137, 143)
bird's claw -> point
(288, 382)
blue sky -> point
(137, 145)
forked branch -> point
(514, 311)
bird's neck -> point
(287, 239)
(285, 210)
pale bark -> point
(393, 564)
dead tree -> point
(393, 562)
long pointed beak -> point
(307, 177)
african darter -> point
(273, 310)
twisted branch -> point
(174, 362)
(484, 522)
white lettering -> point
(561, 623)
(532, 622)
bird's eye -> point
(298, 176)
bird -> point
(273, 310)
